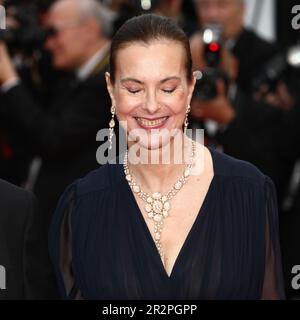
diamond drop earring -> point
(186, 121)
(111, 126)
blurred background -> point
(53, 97)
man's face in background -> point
(228, 13)
(73, 37)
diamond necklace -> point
(157, 206)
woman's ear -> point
(110, 88)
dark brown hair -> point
(146, 28)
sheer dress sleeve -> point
(273, 287)
(60, 245)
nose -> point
(151, 103)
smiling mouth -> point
(151, 123)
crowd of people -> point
(53, 96)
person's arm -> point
(38, 276)
(60, 245)
(273, 286)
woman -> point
(202, 228)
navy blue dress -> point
(101, 247)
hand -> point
(7, 69)
(218, 109)
(281, 98)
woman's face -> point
(151, 92)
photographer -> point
(14, 156)
(245, 128)
(251, 51)
(64, 134)
(248, 121)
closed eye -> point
(168, 90)
(134, 91)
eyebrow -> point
(141, 82)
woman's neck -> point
(161, 175)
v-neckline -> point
(197, 220)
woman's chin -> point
(153, 141)
(154, 145)
(151, 144)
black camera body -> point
(27, 35)
(206, 86)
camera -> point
(206, 88)
(26, 35)
(276, 68)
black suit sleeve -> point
(38, 282)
